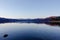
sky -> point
(29, 8)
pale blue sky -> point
(29, 8)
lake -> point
(31, 31)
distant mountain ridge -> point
(38, 20)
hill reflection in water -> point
(29, 31)
(51, 24)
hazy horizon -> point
(29, 8)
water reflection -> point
(47, 23)
(53, 24)
(17, 31)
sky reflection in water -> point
(25, 31)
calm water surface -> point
(19, 31)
